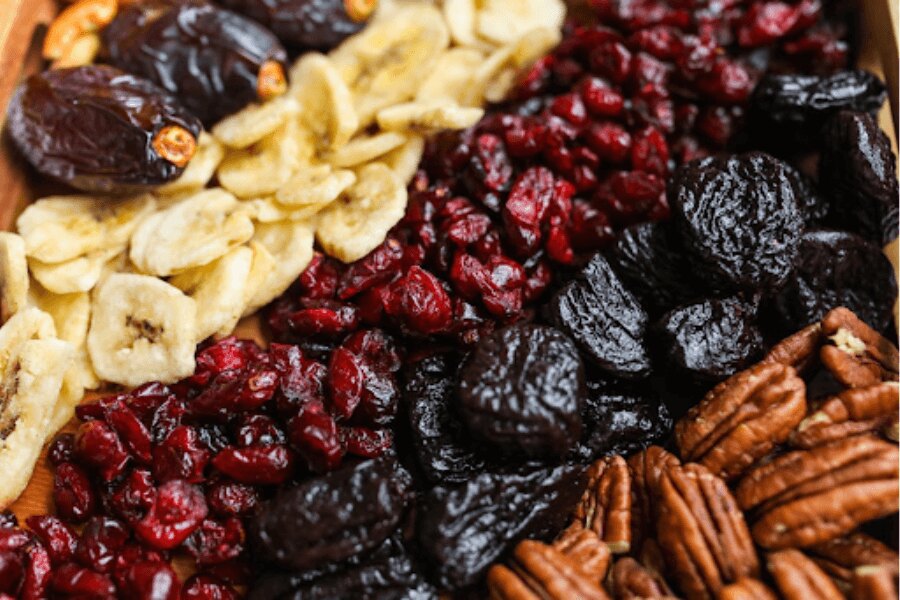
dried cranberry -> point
(610, 141)
(150, 580)
(13, 539)
(378, 267)
(11, 572)
(229, 354)
(420, 302)
(367, 443)
(259, 465)
(346, 375)
(61, 449)
(181, 455)
(302, 379)
(37, 572)
(101, 539)
(130, 430)
(314, 435)
(178, 509)
(215, 542)
(207, 587)
(130, 554)
(59, 539)
(378, 349)
(321, 277)
(226, 498)
(72, 580)
(133, 497)
(257, 429)
(99, 447)
(321, 318)
(167, 417)
(73, 496)
(601, 99)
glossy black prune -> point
(332, 517)
(710, 340)
(443, 449)
(739, 218)
(605, 319)
(858, 169)
(837, 268)
(94, 128)
(208, 57)
(307, 24)
(462, 529)
(521, 390)
(814, 206)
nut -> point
(630, 579)
(810, 496)
(175, 144)
(541, 572)
(860, 356)
(742, 419)
(875, 582)
(840, 556)
(646, 468)
(271, 81)
(852, 412)
(605, 507)
(82, 51)
(746, 588)
(586, 550)
(84, 16)
(702, 532)
(798, 578)
(798, 350)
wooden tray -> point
(22, 23)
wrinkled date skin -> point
(208, 57)
(837, 268)
(814, 206)
(710, 340)
(739, 217)
(859, 170)
(94, 128)
(463, 529)
(332, 517)
(522, 390)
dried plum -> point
(710, 340)
(738, 216)
(652, 265)
(814, 206)
(522, 390)
(462, 529)
(332, 517)
(214, 60)
(836, 268)
(605, 320)
(437, 434)
(859, 170)
(99, 129)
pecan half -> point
(874, 582)
(541, 572)
(646, 468)
(586, 550)
(746, 588)
(853, 411)
(605, 507)
(702, 532)
(810, 496)
(799, 578)
(860, 356)
(798, 350)
(742, 419)
(840, 556)
(629, 580)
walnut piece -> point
(859, 356)
(852, 412)
(799, 578)
(541, 572)
(605, 507)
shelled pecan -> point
(810, 496)
(799, 350)
(646, 468)
(798, 578)
(702, 532)
(840, 556)
(742, 419)
(853, 411)
(586, 550)
(859, 356)
(541, 572)
(629, 580)
(605, 506)
(746, 588)
(875, 582)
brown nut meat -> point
(742, 419)
(746, 588)
(811, 496)
(799, 350)
(605, 506)
(702, 532)
(859, 356)
(629, 580)
(82, 17)
(586, 550)
(852, 412)
(541, 572)
(874, 582)
(646, 468)
(799, 578)
(840, 556)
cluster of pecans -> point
(769, 500)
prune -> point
(794, 107)
(834, 269)
(522, 390)
(652, 265)
(97, 128)
(710, 340)
(437, 434)
(462, 529)
(332, 517)
(308, 24)
(859, 170)
(605, 320)
(738, 216)
(216, 61)
(814, 206)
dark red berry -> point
(207, 587)
(11, 572)
(258, 465)
(181, 455)
(216, 542)
(179, 508)
(59, 539)
(73, 496)
(133, 497)
(61, 449)
(150, 580)
(72, 580)
(98, 446)
(101, 540)
(314, 435)
(227, 498)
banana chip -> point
(270, 210)
(359, 221)
(218, 290)
(77, 275)
(261, 265)
(28, 324)
(13, 275)
(199, 170)
(504, 21)
(451, 77)
(191, 233)
(315, 185)
(365, 148)
(404, 161)
(290, 245)
(70, 395)
(142, 329)
(255, 122)
(60, 228)
(460, 18)
(496, 77)
(425, 117)
(327, 102)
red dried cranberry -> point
(420, 302)
(133, 497)
(600, 99)
(130, 554)
(302, 379)
(11, 572)
(101, 539)
(98, 446)
(728, 83)
(378, 267)
(229, 354)
(227, 498)
(377, 348)
(489, 168)
(367, 443)
(207, 587)
(144, 400)
(259, 465)
(322, 318)
(611, 60)
(73, 496)
(610, 141)
(59, 539)
(37, 572)
(61, 449)
(180, 456)
(215, 542)
(314, 435)
(650, 153)
(257, 430)
(167, 417)
(321, 277)
(72, 580)
(13, 539)
(179, 508)
(590, 228)
(526, 138)
(130, 430)
(150, 580)
(346, 375)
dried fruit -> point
(65, 121)
(178, 509)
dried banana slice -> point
(261, 265)
(142, 329)
(384, 64)
(326, 100)
(218, 290)
(32, 375)
(365, 148)
(359, 221)
(496, 77)
(504, 21)
(315, 185)
(60, 228)
(404, 161)
(200, 170)
(451, 77)
(290, 245)
(70, 395)
(77, 275)
(28, 324)
(460, 18)
(191, 234)
(13, 275)
(255, 122)
(426, 117)
(270, 210)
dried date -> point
(97, 128)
